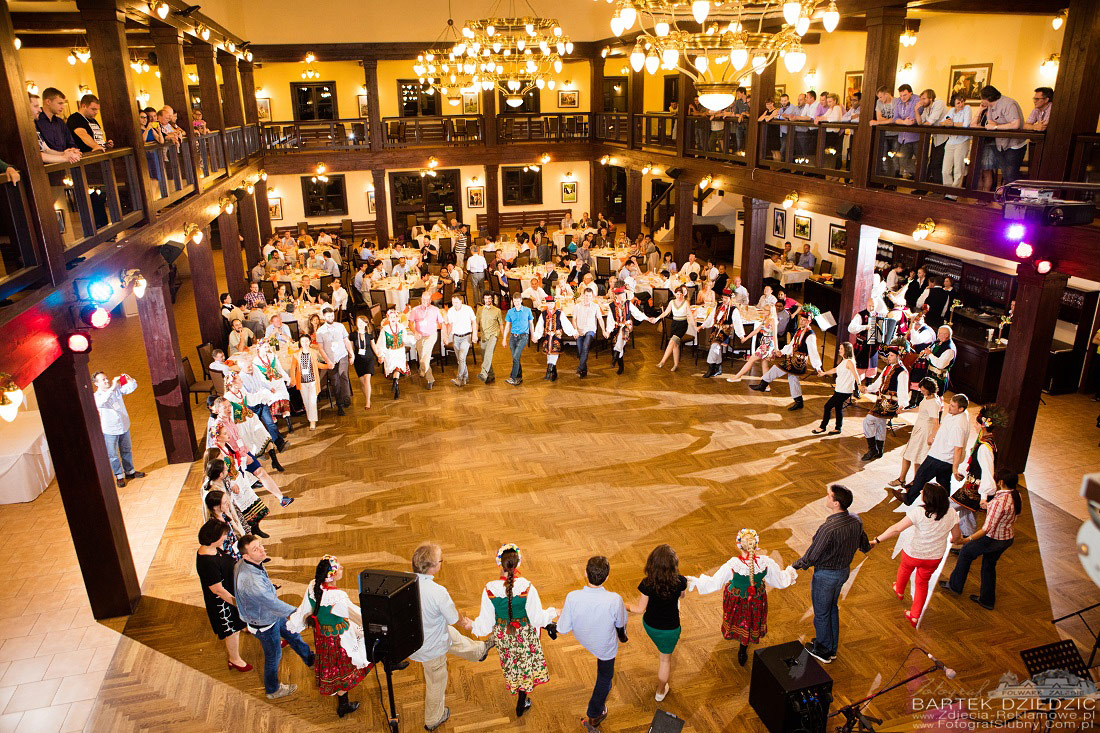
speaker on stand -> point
(789, 689)
(392, 629)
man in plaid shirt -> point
(989, 542)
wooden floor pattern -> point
(609, 465)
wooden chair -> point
(395, 132)
(661, 297)
(295, 333)
(603, 269)
(193, 385)
(523, 259)
(268, 289)
(326, 283)
(515, 286)
(825, 267)
(378, 298)
(206, 357)
(376, 317)
(218, 380)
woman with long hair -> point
(928, 417)
(680, 309)
(847, 383)
(933, 523)
(251, 507)
(236, 454)
(745, 579)
(512, 614)
(659, 596)
(362, 342)
(341, 653)
(215, 569)
(220, 507)
(767, 346)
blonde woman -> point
(769, 341)
(924, 427)
(305, 372)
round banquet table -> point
(411, 255)
(26, 468)
(578, 235)
(294, 278)
(786, 274)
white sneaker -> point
(283, 691)
(660, 696)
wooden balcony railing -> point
(656, 130)
(171, 168)
(234, 144)
(211, 154)
(253, 144)
(289, 137)
(807, 147)
(541, 127)
(1086, 159)
(719, 139)
(611, 127)
(96, 198)
(401, 132)
(20, 242)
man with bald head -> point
(166, 117)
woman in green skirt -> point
(659, 603)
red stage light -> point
(95, 316)
(78, 343)
(1024, 250)
(1043, 267)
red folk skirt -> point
(335, 672)
(744, 616)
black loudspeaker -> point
(849, 211)
(665, 723)
(673, 173)
(390, 602)
(789, 689)
(171, 250)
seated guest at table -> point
(271, 246)
(240, 338)
(624, 271)
(329, 265)
(584, 252)
(740, 292)
(500, 278)
(276, 327)
(306, 376)
(282, 295)
(788, 254)
(258, 271)
(578, 271)
(540, 229)
(668, 264)
(400, 269)
(439, 226)
(602, 239)
(323, 239)
(377, 272)
(691, 265)
(361, 281)
(567, 222)
(364, 252)
(452, 272)
(230, 312)
(313, 259)
(807, 259)
(287, 241)
(522, 237)
(535, 293)
(767, 300)
(254, 298)
(339, 299)
(585, 221)
(602, 222)
(274, 263)
(307, 291)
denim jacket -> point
(257, 603)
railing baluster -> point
(114, 210)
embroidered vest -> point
(938, 348)
(973, 467)
(798, 343)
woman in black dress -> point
(362, 342)
(216, 575)
(659, 603)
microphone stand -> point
(854, 715)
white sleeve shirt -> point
(437, 612)
(461, 320)
(953, 433)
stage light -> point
(1015, 232)
(1043, 267)
(95, 316)
(78, 343)
(1024, 250)
(97, 291)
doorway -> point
(421, 200)
(671, 90)
(615, 186)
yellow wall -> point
(275, 79)
(839, 52)
(47, 67)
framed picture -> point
(471, 103)
(570, 98)
(263, 110)
(275, 208)
(779, 224)
(853, 82)
(780, 90)
(569, 192)
(802, 226)
(475, 197)
(60, 219)
(838, 239)
(370, 202)
(969, 79)
(364, 108)
(740, 216)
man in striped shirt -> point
(460, 245)
(830, 555)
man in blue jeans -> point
(115, 422)
(519, 320)
(586, 320)
(830, 555)
(265, 614)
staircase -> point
(710, 208)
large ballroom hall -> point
(515, 365)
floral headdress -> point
(748, 540)
(811, 310)
(992, 416)
(510, 547)
(333, 567)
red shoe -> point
(246, 668)
(899, 594)
(912, 619)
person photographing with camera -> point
(115, 421)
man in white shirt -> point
(332, 337)
(740, 292)
(361, 282)
(476, 266)
(399, 269)
(690, 266)
(535, 293)
(115, 422)
(948, 444)
(767, 300)
(339, 296)
(586, 316)
(931, 111)
(324, 238)
(437, 617)
(597, 619)
(461, 325)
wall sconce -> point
(474, 179)
(569, 175)
(136, 279)
(705, 183)
(647, 168)
(162, 10)
(370, 187)
(811, 78)
(908, 38)
(1056, 22)
(67, 181)
(32, 88)
(319, 173)
(432, 162)
(261, 93)
(263, 174)
(363, 90)
(310, 58)
(923, 229)
(193, 77)
(18, 43)
(790, 200)
(226, 204)
(11, 397)
(1050, 66)
(906, 72)
(605, 160)
(193, 233)
(143, 96)
(544, 158)
(250, 188)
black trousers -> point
(836, 402)
(930, 468)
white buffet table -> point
(26, 468)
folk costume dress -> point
(548, 332)
(979, 483)
(251, 428)
(516, 633)
(868, 328)
(744, 580)
(892, 390)
(267, 364)
(724, 321)
(392, 342)
(341, 653)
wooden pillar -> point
(204, 282)
(263, 213)
(596, 103)
(1078, 105)
(374, 114)
(860, 250)
(489, 111)
(250, 231)
(20, 149)
(71, 422)
(635, 104)
(248, 92)
(1038, 298)
(229, 238)
(162, 349)
(880, 64)
(232, 109)
(208, 87)
(685, 216)
(597, 188)
(104, 23)
(633, 203)
(492, 199)
(763, 88)
(381, 208)
(168, 42)
(685, 89)
(752, 246)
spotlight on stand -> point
(1015, 232)
(97, 291)
(1024, 251)
(171, 250)
(94, 316)
(1043, 267)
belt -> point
(462, 335)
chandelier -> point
(440, 69)
(719, 42)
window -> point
(414, 101)
(324, 198)
(615, 93)
(314, 100)
(530, 102)
(522, 187)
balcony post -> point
(204, 282)
(633, 203)
(232, 109)
(684, 88)
(492, 199)
(168, 42)
(752, 245)
(763, 89)
(374, 115)
(489, 108)
(597, 180)
(263, 213)
(230, 240)
(250, 231)
(884, 27)
(685, 217)
(860, 251)
(248, 92)
(635, 106)
(211, 98)
(381, 208)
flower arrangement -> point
(954, 304)
(1006, 320)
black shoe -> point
(523, 704)
(403, 664)
(872, 452)
(946, 585)
(880, 447)
(340, 412)
(742, 655)
(553, 373)
(431, 384)
(134, 475)
(120, 481)
(595, 722)
(289, 425)
(796, 405)
(396, 390)
(978, 599)
(622, 366)
(492, 378)
(811, 648)
(709, 372)
(257, 484)
(551, 630)
(549, 372)
(260, 533)
(761, 386)
(344, 707)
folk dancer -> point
(551, 324)
(393, 339)
(892, 388)
(868, 327)
(979, 485)
(620, 322)
(724, 321)
(267, 362)
(745, 579)
(925, 425)
(235, 452)
(251, 428)
(920, 336)
(801, 349)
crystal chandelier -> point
(440, 69)
(719, 42)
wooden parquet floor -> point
(609, 465)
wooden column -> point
(596, 103)
(597, 189)
(492, 199)
(162, 350)
(752, 246)
(204, 282)
(232, 109)
(168, 42)
(1038, 298)
(489, 111)
(1076, 103)
(685, 89)
(685, 216)
(860, 249)
(635, 105)
(374, 115)
(263, 213)
(763, 88)
(208, 87)
(248, 92)
(229, 238)
(250, 230)
(633, 203)
(880, 64)
(104, 22)
(381, 208)
(20, 149)
(71, 422)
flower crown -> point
(513, 547)
(748, 539)
(334, 567)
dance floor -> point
(611, 465)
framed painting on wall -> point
(60, 219)
(853, 82)
(475, 197)
(780, 90)
(969, 79)
(779, 223)
(364, 107)
(471, 103)
(838, 239)
(802, 226)
(569, 98)
(569, 192)
(275, 208)
(370, 202)
(263, 109)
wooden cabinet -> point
(977, 370)
(825, 297)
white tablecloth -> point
(786, 276)
(25, 465)
(578, 235)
